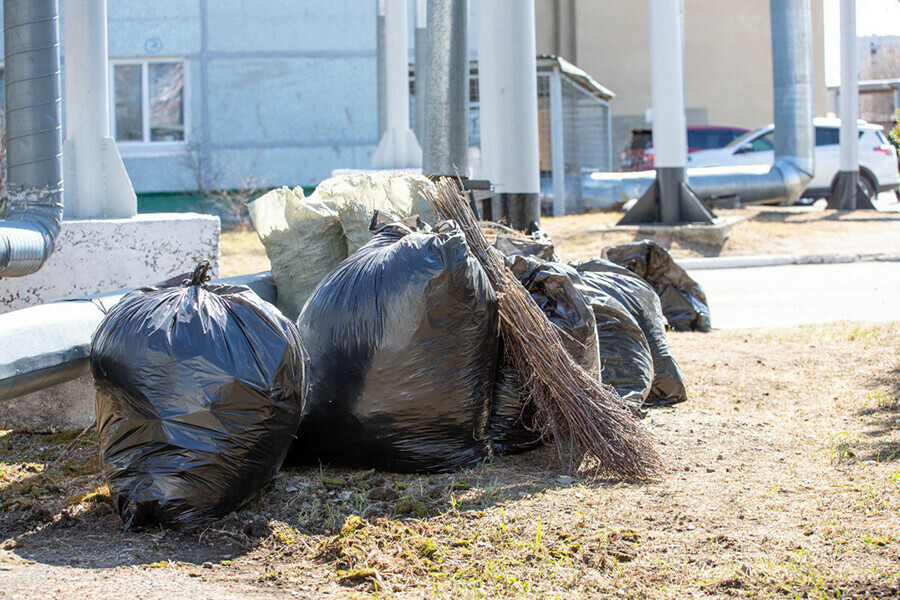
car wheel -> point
(868, 185)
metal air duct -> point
(33, 140)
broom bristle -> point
(584, 418)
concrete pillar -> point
(848, 180)
(507, 86)
(96, 184)
(446, 148)
(421, 52)
(398, 147)
(667, 100)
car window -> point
(828, 136)
(641, 139)
(709, 138)
(742, 139)
(762, 143)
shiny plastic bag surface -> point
(683, 300)
(553, 287)
(624, 352)
(402, 338)
(199, 393)
(641, 301)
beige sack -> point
(304, 242)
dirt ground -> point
(783, 480)
(762, 230)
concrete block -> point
(94, 256)
(97, 256)
(714, 235)
(65, 407)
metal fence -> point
(574, 129)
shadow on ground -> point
(86, 533)
(881, 440)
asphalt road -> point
(799, 294)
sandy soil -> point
(783, 480)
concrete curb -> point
(774, 260)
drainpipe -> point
(507, 85)
(446, 144)
(34, 145)
(792, 75)
(846, 191)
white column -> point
(667, 82)
(507, 87)
(421, 54)
(94, 180)
(849, 98)
(398, 147)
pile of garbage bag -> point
(395, 362)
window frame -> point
(147, 144)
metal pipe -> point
(46, 345)
(792, 75)
(446, 147)
(794, 165)
(557, 143)
(33, 142)
(507, 86)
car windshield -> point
(743, 138)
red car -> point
(639, 154)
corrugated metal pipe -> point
(794, 165)
(792, 78)
(33, 135)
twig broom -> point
(585, 418)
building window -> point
(148, 102)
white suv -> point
(877, 157)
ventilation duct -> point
(33, 140)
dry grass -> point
(784, 481)
(766, 230)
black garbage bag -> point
(402, 338)
(553, 287)
(641, 301)
(624, 351)
(535, 243)
(199, 392)
(683, 300)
